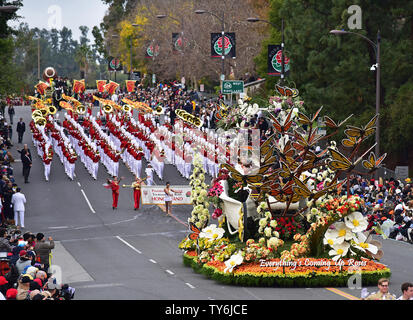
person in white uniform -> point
(18, 201)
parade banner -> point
(177, 42)
(156, 195)
(130, 85)
(216, 45)
(79, 86)
(275, 61)
(152, 51)
(100, 84)
(114, 64)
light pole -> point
(376, 47)
(163, 16)
(222, 20)
(251, 19)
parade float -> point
(284, 218)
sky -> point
(57, 14)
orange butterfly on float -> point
(304, 120)
(287, 92)
(332, 124)
(363, 132)
(285, 126)
(222, 111)
(195, 232)
(371, 163)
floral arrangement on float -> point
(291, 222)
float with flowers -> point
(283, 216)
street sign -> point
(402, 172)
(232, 86)
(136, 75)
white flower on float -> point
(362, 244)
(330, 237)
(234, 260)
(212, 232)
(343, 232)
(356, 222)
(339, 250)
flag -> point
(130, 85)
(41, 87)
(111, 87)
(100, 84)
(79, 86)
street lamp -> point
(253, 19)
(181, 23)
(376, 47)
(9, 9)
(222, 20)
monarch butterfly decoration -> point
(195, 231)
(285, 193)
(285, 126)
(350, 142)
(301, 189)
(194, 235)
(364, 132)
(244, 179)
(340, 162)
(331, 123)
(304, 120)
(303, 144)
(286, 171)
(222, 111)
(286, 152)
(371, 163)
(287, 92)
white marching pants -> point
(19, 216)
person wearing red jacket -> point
(114, 186)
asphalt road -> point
(133, 255)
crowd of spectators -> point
(388, 205)
(24, 272)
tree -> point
(334, 71)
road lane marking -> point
(129, 245)
(102, 285)
(62, 227)
(170, 272)
(153, 261)
(342, 293)
(189, 285)
(88, 202)
(78, 183)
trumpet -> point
(107, 108)
(80, 109)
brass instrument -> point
(159, 110)
(40, 121)
(127, 108)
(107, 108)
(80, 109)
(36, 113)
(187, 117)
(45, 112)
(52, 110)
(49, 73)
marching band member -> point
(114, 186)
(136, 185)
(149, 175)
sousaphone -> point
(49, 73)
